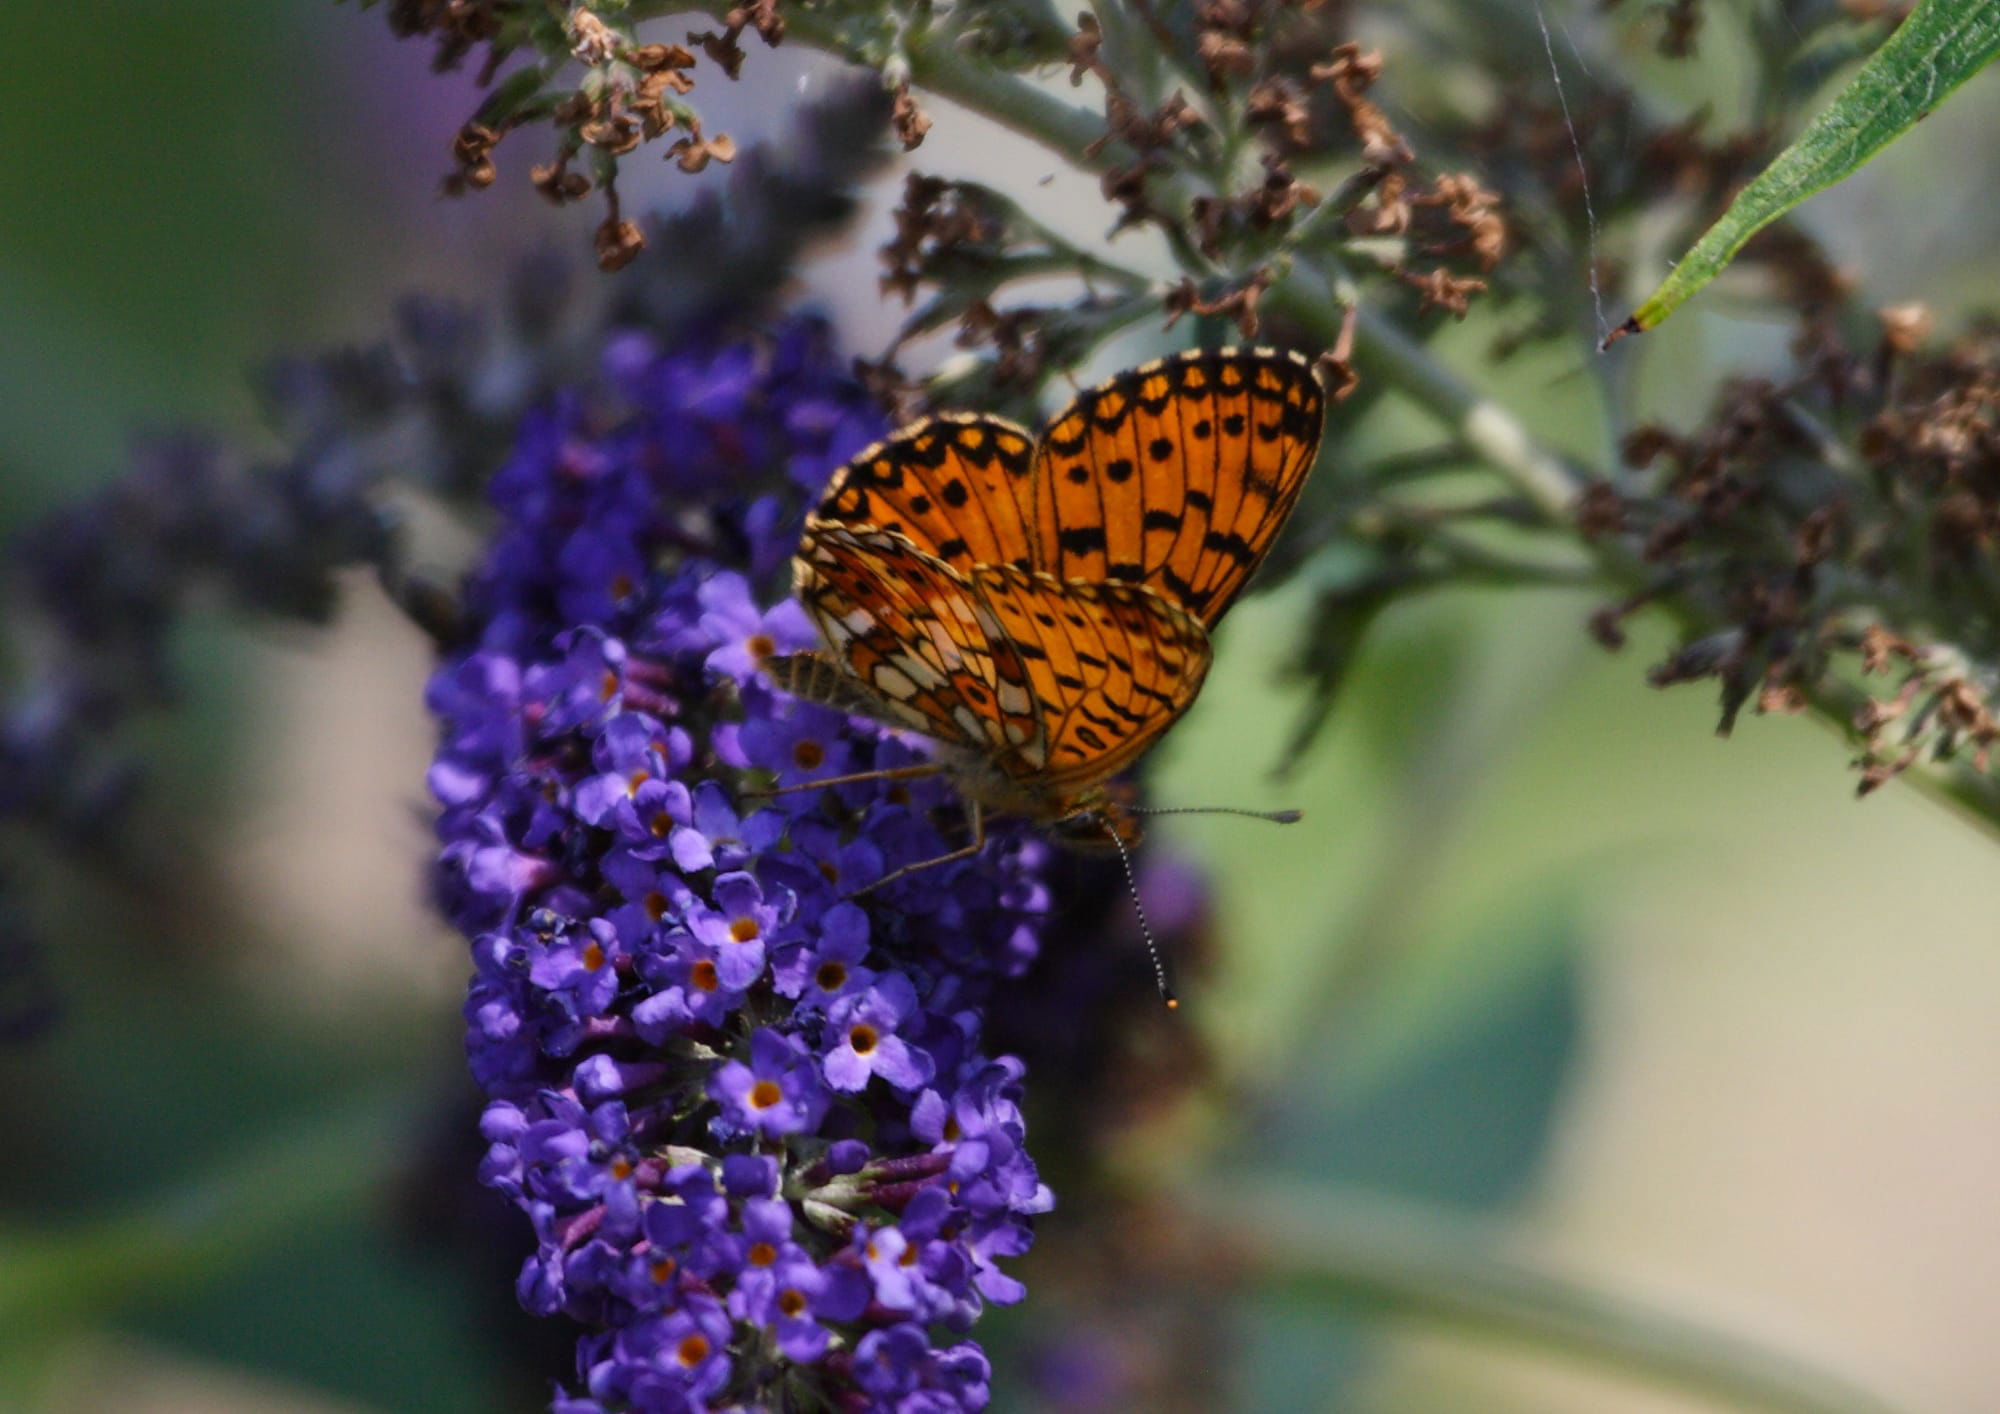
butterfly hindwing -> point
(917, 636)
(814, 677)
(1178, 474)
(1110, 667)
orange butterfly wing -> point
(916, 637)
(1110, 667)
(1178, 474)
(1058, 685)
(956, 486)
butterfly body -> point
(1040, 608)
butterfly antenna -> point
(1145, 929)
(1276, 817)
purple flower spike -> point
(751, 1119)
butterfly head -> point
(1097, 822)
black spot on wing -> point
(1230, 544)
(1082, 540)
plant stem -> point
(1390, 1259)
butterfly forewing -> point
(1110, 667)
(955, 486)
(1178, 475)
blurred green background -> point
(1678, 1016)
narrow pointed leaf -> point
(1941, 45)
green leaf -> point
(1941, 45)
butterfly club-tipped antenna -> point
(1276, 817)
(1160, 973)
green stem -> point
(1389, 1259)
(936, 65)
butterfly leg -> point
(975, 815)
(893, 773)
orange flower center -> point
(743, 930)
(703, 976)
(808, 755)
(692, 1351)
(831, 976)
(762, 1254)
(863, 1038)
(764, 1094)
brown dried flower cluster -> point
(1298, 97)
(939, 222)
(458, 26)
(1847, 516)
(631, 94)
(1454, 217)
(953, 236)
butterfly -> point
(1040, 607)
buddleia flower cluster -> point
(767, 1157)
